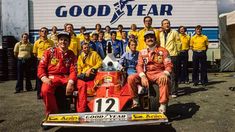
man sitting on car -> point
(88, 63)
(154, 66)
(57, 68)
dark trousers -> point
(183, 67)
(38, 82)
(174, 75)
(199, 65)
(23, 69)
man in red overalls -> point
(154, 66)
(57, 68)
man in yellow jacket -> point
(170, 40)
(88, 64)
(75, 42)
(147, 27)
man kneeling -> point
(154, 66)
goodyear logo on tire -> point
(63, 119)
(158, 116)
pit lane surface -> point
(210, 109)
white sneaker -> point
(162, 108)
(135, 103)
(174, 96)
(140, 89)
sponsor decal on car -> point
(63, 119)
(108, 79)
(105, 117)
(158, 116)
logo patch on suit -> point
(158, 58)
(54, 61)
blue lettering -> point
(166, 9)
(60, 13)
(141, 9)
(75, 11)
(130, 10)
(89, 10)
(103, 10)
(153, 10)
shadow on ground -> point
(161, 127)
(2, 121)
(181, 111)
(215, 82)
(188, 90)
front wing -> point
(104, 119)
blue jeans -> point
(23, 70)
(38, 82)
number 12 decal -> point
(106, 105)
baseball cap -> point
(86, 32)
(63, 33)
(150, 32)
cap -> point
(86, 32)
(151, 32)
(95, 33)
(63, 33)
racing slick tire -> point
(154, 97)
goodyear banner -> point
(87, 13)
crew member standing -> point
(53, 35)
(23, 51)
(147, 27)
(183, 56)
(170, 40)
(117, 45)
(75, 42)
(39, 47)
(199, 44)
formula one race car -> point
(110, 103)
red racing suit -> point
(60, 67)
(152, 64)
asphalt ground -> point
(197, 109)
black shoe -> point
(16, 92)
(29, 89)
(195, 84)
(187, 82)
(204, 84)
(39, 97)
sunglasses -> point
(43, 31)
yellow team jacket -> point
(172, 43)
(135, 33)
(93, 60)
(141, 43)
(75, 45)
